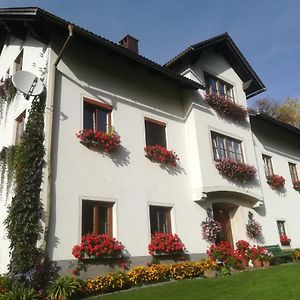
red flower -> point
(276, 181)
(161, 154)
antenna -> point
(27, 83)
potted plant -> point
(276, 181)
(210, 229)
(266, 257)
(98, 246)
(106, 141)
(161, 154)
(255, 255)
(242, 249)
(226, 108)
(284, 240)
(253, 229)
(236, 171)
(165, 244)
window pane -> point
(88, 116)
(213, 84)
(155, 134)
(221, 88)
(160, 219)
(103, 220)
(281, 227)
(102, 120)
(87, 218)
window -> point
(214, 85)
(155, 133)
(268, 165)
(226, 147)
(160, 219)
(281, 227)
(20, 120)
(293, 171)
(18, 64)
(97, 217)
(96, 116)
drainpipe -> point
(50, 137)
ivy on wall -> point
(7, 94)
(24, 213)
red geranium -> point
(234, 170)
(161, 154)
(97, 245)
(276, 181)
(226, 108)
(165, 243)
(284, 240)
(107, 141)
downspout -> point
(50, 138)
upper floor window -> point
(214, 85)
(96, 217)
(96, 116)
(225, 147)
(155, 133)
(268, 165)
(18, 64)
(20, 126)
(293, 171)
(160, 219)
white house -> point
(92, 83)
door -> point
(221, 214)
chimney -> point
(130, 43)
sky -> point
(266, 31)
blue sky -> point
(266, 31)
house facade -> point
(94, 84)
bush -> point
(19, 292)
(63, 288)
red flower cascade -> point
(276, 181)
(161, 154)
(227, 108)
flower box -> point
(296, 185)
(166, 244)
(276, 181)
(226, 108)
(284, 240)
(236, 171)
(161, 154)
(108, 142)
(100, 246)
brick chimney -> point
(130, 43)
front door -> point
(221, 214)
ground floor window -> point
(160, 219)
(97, 217)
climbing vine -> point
(24, 214)
(7, 94)
(7, 167)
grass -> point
(278, 282)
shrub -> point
(296, 254)
(161, 154)
(19, 292)
(98, 246)
(227, 108)
(165, 243)
(237, 171)
(63, 288)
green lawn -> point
(278, 282)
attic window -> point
(215, 86)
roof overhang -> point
(223, 44)
(42, 24)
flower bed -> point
(166, 244)
(236, 171)
(142, 275)
(108, 142)
(276, 181)
(253, 229)
(210, 230)
(161, 154)
(284, 240)
(97, 246)
(226, 108)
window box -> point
(284, 240)
(296, 185)
(276, 181)
(166, 244)
(236, 171)
(161, 154)
(226, 108)
(98, 246)
(108, 142)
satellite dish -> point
(27, 83)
